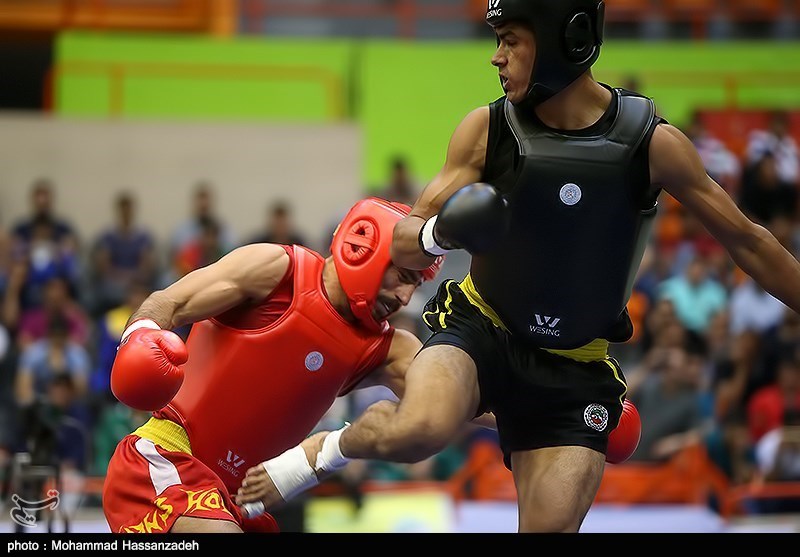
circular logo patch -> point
(596, 416)
(570, 194)
(314, 361)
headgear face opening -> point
(568, 35)
(361, 253)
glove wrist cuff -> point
(427, 240)
(139, 324)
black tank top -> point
(582, 208)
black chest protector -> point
(582, 208)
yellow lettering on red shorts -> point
(205, 500)
(154, 521)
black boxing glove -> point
(475, 218)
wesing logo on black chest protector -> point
(494, 9)
(546, 325)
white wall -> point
(317, 168)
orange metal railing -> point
(220, 17)
(216, 17)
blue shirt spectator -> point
(695, 296)
(47, 358)
(123, 254)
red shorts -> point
(147, 488)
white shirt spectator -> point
(767, 453)
(783, 149)
(720, 162)
(754, 309)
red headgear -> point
(360, 250)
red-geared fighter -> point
(278, 333)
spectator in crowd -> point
(5, 259)
(772, 171)
(695, 295)
(774, 422)
(42, 246)
(36, 260)
(12, 295)
(205, 249)
(109, 328)
(203, 212)
(763, 197)
(656, 268)
(667, 395)
(777, 142)
(42, 216)
(8, 361)
(662, 328)
(696, 242)
(720, 162)
(57, 302)
(49, 357)
(753, 308)
(778, 460)
(772, 406)
(729, 448)
(123, 254)
(280, 227)
(400, 186)
(72, 442)
(53, 437)
(115, 422)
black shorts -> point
(540, 399)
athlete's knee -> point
(541, 512)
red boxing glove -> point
(146, 374)
(625, 438)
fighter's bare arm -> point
(246, 273)
(676, 166)
(466, 156)
(392, 373)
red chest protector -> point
(249, 395)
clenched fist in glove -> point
(147, 371)
(624, 440)
(475, 218)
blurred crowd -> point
(714, 361)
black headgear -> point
(568, 36)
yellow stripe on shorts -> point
(166, 434)
(614, 365)
(442, 311)
(468, 287)
(594, 351)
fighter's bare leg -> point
(556, 487)
(441, 394)
(193, 525)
